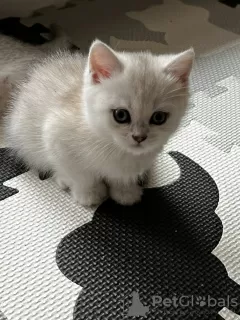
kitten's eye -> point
(158, 118)
(121, 116)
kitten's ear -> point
(102, 61)
(181, 66)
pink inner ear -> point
(181, 66)
(100, 72)
(183, 78)
(181, 75)
(102, 62)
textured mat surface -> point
(176, 255)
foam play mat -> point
(175, 255)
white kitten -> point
(99, 120)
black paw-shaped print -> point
(9, 168)
(160, 249)
(230, 3)
(14, 28)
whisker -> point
(166, 88)
(176, 90)
(175, 96)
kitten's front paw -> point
(91, 196)
(126, 196)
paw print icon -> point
(201, 301)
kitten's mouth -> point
(138, 148)
(138, 145)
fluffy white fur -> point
(16, 57)
(62, 120)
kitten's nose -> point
(139, 139)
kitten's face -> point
(137, 108)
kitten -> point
(98, 122)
